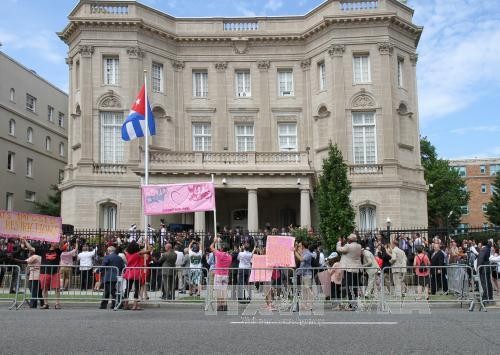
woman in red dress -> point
(134, 272)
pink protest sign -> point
(178, 198)
(259, 272)
(30, 226)
(279, 251)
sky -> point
(458, 67)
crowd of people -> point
(186, 262)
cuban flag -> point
(135, 123)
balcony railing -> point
(109, 169)
(374, 169)
(241, 26)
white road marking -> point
(306, 322)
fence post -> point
(99, 238)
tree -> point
(336, 213)
(493, 207)
(52, 207)
(447, 191)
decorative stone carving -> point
(178, 65)
(263, 65)
(221, 66)
(414, 58)
(240, 46)
(306, 64)
(69, 62)
(86, 51)
(385, 48)
(336, 50)
(363, 101)
(110, 102)
(322, 113)
(135, 52)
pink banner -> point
(30, 226)
(280, 251)
(178, 198)
(259, 272)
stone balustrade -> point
(358, 5)
(370, 169)
(109, 169)
(99, 8)
(241, 26)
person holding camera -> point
(351, 263)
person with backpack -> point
(421, 263)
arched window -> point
(367, 218)
(61, 149)
(12, 94)
(109, 213)
(29, 135)
(12, 127)
(47, 143)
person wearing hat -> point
(351, 263)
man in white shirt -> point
(244, 266)
(180, 271)
(86, 259)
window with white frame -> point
(50, 113)
(9, 201)
(482, 169)
(364, 138)
(12, 127)
(61, 149)
(494, 169)
(245, 138)
(12, 94)
(400, 71)
(462, 171)
(157, 77)
(361, 64)
(111, 70)
(484, 207)
(29, 135)
(30, 103)
(322, 76)
(243, 88)
(112, 147)
(200, 83)
(285, 82)
(48, 142)
(29, 167)
(287, 137)
(10, 161)
(30, 196)
(367, 218)
(483, 188)
(109, 213)
(202, 137)
(464, 209)
(61, 120)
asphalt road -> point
(187, 329)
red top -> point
(134, 261)
(222, 263)
(422, 259)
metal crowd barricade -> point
(56, 285)
(488, 285)
(10, 279)
(258, 290)
(338, 288)
(163, 285)
(415, 288)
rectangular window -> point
(287, 137)
(61, 175)
(112, 147)
(364, 138)
(30, 196)
(29, 167)
(202, 137)
(482, 169)
(243, 88)
(464, 209)
(483, 188)
(9, 201)
(484, 207)
(462, 171)
(200, 83)
(111, 71)
(157, 77)
(60, 120)
(245, 139)
(494, 169)
(400, 72)
(10, 161)
(361, 65)
(50, 113)
(322, 76)
(30, 103)
(285, 82)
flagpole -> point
(146, 152)
(215, 212)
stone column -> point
(389, 127)
(263, 124)
(414, 106)
(337, 127)
(70, 118)
(305, 208)
(253, 211)
(199, 222)
(86, 53)
(221, 121)
(305, 124)
(180, 127)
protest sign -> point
(30, 226)
(259, 272)
(280, 251)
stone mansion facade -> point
(254, 101)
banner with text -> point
(280, 251)
(259, 272)
(178, 198)
(30, 226)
